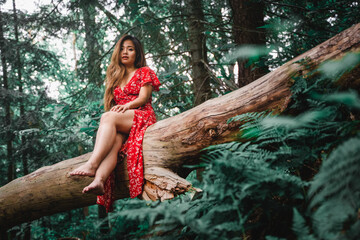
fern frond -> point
(300, 228)
(335, 190)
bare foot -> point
(84, 170)
(96, 187)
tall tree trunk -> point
(247, 17)
(174, 142)
(198, 51)
(92, 45)
(18, 67)
(197, 43)
(9, 135)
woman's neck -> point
(130, 69)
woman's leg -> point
(105, 168)
(110, 124)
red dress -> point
(132, 148)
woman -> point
(129, 84)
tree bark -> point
(198, 51)
(18, 66)
(9, 135)
(174, 142)
(7, 122)
(92, 45)
(199, 62)
(248, 16)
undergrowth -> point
(296, 177)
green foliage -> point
(335, 193)
(261, 187)
(295, 177)
(300, 228)
(294, 27)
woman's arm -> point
(144, 95)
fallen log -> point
(171, 143)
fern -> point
(335, 192)
(258, 187)
(299, 227)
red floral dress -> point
(144, 117)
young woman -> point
(127, 101)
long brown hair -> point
(116, 70)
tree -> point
(63, 128)
(166, 152)
(7, 104)
(198, 51)
(293, 27)
(21, 91)
(93, 48)
(248, 18)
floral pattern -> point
(132, 148)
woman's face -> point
(128, 53)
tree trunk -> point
(197, 43)
(198, 51)
(9, 135)
(18, 66)
(21, 102)
(92, 45)
(172, 143)
(248, 16)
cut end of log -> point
(163, 184)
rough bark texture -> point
(171, 143)
(248, 16)
(21, 90)
(5, 85)
(92, 45)
(197, 44)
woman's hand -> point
(120, 108)
(143, 98)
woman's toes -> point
(84, 170)
(96, 187)
(85, 190)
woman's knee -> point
(108, 117)
(122, 121)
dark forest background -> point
(296, 178)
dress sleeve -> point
(148, 76)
